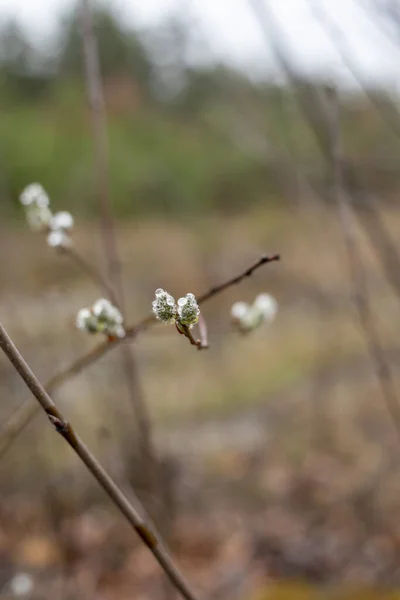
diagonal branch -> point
(309, 105)
(99, 122)
(148, 536)
(389, 114)
(101, 153)
(357, 272)
(20, 419)
(95, 274)
(214, 291)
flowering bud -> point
(34, 194)
(86, 321)
(188, 310)
(59, 226)
(102, 317)
(38, 217)
(248, 317)
(239, 310)
(266, 305)
(59, 239)
(41, 219)
(105, 312)
(62, 220)
(164, 306)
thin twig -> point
(99, 121)
(20, 419)
(358, 275)
(309, 105)
(394, 40)
(92, 271)
(28, 410)
(214, 291)
(391, 118)
(371, 220)
(323, 135)
(149, 537)
(187, 332)
(99, 118)
(375, 229)
(203, 331)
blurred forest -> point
(183, 138)
(277, 450)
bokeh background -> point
(277, 471)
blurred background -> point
(276, 471)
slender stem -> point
(357, 272)
(371, 220)
(203, 331)
(214, 291)
(27, 411)
(149, 536)
(273, 38)
(92, 271)
(17, 423)
(328, 139)
(389, 115)
(99, 120)
(186, 331)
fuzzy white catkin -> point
(239, 310)
(34, 193)
(62, 220)
(266, 305)
(38, 217)
(188, 310)
(58, 239)
(82, 318)
(102, 307)
(164, 306)
(102, 317)
(249, 317)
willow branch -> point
(390, 116)
(273, 37)
(380, 237)
(20, 419)
(214, 291)
(203, 331)
(309, 105)
(95, 274)
(147, 534)
(99, 120)
(357, 273)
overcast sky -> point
(231, 31)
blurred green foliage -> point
(183, 140)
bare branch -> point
(149, 537)
(99, 121)
(367, 213)
(309, 105)
(94, 273)
(203, 331)
(357, 273)
(214, 291)
(27, 411)
(373, 224)
(99, 118)
(389, 114)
